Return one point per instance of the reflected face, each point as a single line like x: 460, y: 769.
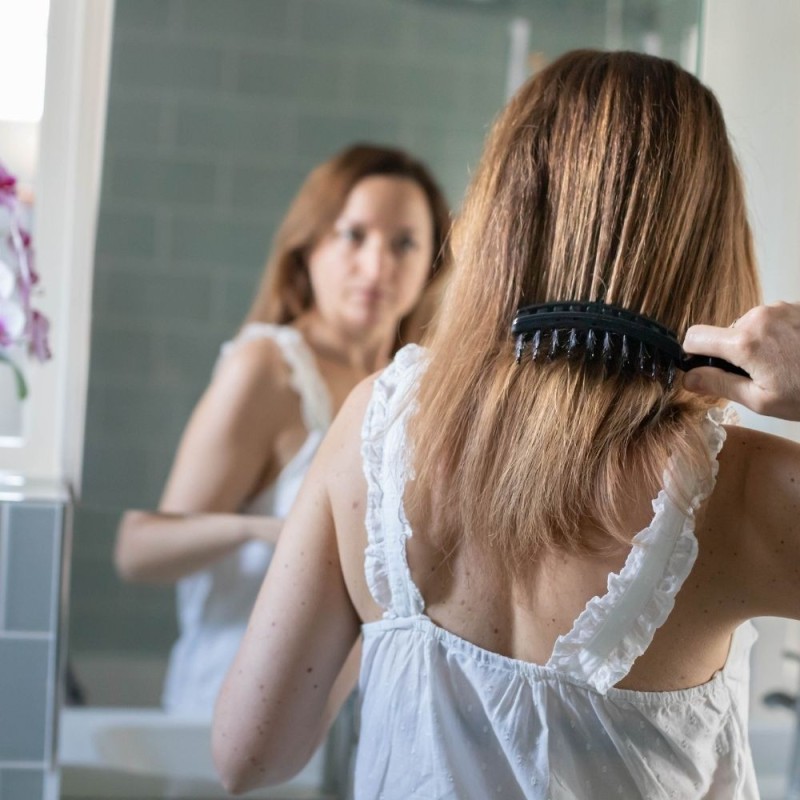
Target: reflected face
x: 369, y: 270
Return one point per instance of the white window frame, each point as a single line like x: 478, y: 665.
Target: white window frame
x: 67, y: 199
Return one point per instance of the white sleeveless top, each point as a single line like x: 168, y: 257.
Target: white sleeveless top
x: 444, y: 718
x: 214, y: 604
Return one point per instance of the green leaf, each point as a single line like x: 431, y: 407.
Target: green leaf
x: 22, y: 387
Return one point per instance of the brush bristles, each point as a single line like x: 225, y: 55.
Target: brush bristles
x: 618, y: 353
x: 573, y: 344
x: 553, y: 351
x: 536, y: 344
x: 591, y: 344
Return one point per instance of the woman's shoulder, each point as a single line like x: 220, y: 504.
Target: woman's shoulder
x: 250, y: 377
x: 753, y: 458
x: 749, y: 465
x: 753, y: 521
x: 254, y: 359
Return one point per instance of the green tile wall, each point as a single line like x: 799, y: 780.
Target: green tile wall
x: 216, y: 112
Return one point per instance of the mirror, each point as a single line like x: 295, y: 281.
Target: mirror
x: 216, y: 113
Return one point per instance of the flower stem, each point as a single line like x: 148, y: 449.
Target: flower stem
x: 22, y: 387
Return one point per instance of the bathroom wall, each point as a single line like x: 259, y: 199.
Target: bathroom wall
x: 216, y: 112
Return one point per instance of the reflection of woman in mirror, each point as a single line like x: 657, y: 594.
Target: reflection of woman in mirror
x: 549, y: 630
x: 358, y: 245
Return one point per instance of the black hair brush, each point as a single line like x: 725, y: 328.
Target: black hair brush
x: 621, y: 340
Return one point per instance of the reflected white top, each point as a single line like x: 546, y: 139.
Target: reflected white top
x: 214, y: 604
x: 444, y: 718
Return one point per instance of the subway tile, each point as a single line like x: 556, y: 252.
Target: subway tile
x: 485, y: 97
x: 239, y: 128
x: 113, y: 475
x: 21, y: 784
x: 162, y: 65
x: 133, y: 121
x: 106, y: 628
x: 137, y: 295
x: 364, y: 25
x: 95, y: 573
x: 123, y: 414
x: 121, y: 295
x: 23, y: 699
x: 300, y: 77
x: 453, y: 159
x: 221, y: 243
x: 450, y: 32
x: 150, y: 610
x: 33, y: 545
x: 117, y: 350
x: 322, y: 135
x: 182, y: 357
x: 161, y: 180
x: 237, y: 297
x: 141, y: 15
x: 126, y: 233
x: 93, y: 533
x: 268, y: 188
x: 379, y: 83
x: 184, y: 296
x: 245, y: 19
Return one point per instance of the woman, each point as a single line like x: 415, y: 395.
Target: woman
x: 534, y: 623
x: 359, y: 244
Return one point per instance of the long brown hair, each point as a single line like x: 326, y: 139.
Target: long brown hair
x: 285, y: 289
x: 609, y: 176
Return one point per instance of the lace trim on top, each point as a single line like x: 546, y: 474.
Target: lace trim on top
x: 615, y: 629
x: 304, y: 374
x: 386, y: 466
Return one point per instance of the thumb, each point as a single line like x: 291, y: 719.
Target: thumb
x: 717, y: 382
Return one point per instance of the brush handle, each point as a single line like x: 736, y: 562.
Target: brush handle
x: 692, y: 362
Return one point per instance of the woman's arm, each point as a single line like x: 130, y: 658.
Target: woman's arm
x: 766, y: 343
x: 290, y: 673
x: 157, y: 547
x: 224, y: 452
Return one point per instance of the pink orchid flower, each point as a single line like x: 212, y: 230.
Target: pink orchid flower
x: 39, y: 346
x: 21, y: 326
x: 8, y: 188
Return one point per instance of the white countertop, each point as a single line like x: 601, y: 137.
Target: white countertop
x: 21, y: 489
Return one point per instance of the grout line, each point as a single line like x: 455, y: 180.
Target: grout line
x: 25, y: 636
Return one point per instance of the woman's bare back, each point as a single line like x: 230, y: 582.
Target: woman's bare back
x: 522, y: 618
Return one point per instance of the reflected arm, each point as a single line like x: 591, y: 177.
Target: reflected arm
x: 158, y: 547
x: 224, y: 453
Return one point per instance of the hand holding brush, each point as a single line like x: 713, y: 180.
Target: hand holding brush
x: 765, y: 342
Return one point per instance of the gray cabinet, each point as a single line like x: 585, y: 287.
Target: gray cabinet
x: 34, y: 548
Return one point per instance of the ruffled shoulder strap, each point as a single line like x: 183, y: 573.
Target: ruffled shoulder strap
x: 387, y: 466
x: 315, y: 400
x: 615, y: 629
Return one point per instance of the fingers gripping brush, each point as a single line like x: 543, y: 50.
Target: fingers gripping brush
x: 620, y: 340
